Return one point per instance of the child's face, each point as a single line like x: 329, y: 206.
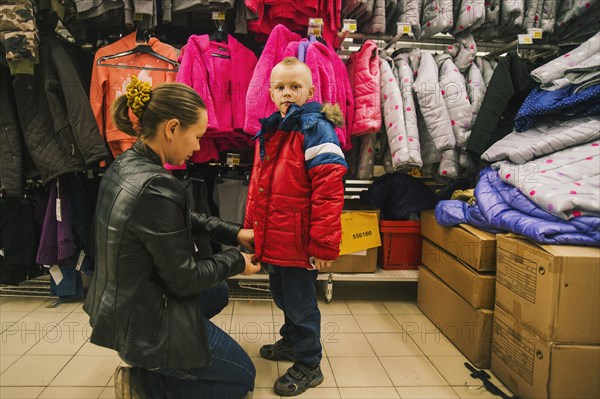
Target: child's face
x: 290, y: 85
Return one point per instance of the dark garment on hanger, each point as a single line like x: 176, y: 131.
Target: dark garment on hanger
x: 399, y: 195
x: 71, y: 285
x: 17, y: 239
x: 11, y: 161
x: 508, y: 88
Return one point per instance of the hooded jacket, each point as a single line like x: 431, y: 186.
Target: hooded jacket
x: 143, y: 300
x: 296, y: 192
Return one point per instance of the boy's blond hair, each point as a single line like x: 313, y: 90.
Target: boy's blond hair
x: 289, y: 62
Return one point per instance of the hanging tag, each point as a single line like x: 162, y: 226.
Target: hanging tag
x: 314, y: 31
x: 195, y: 248
x: 218, y: 16
x: 56, y: 274
x: 58, y: 211
x: 233, y: 159
x: 535, y: 33
x: 525, y: 39
x: 2, y: 252
x: 138, y: 17
x: 405, y: 28
x: 315, y: 21
x: 349, y: 25
x: 80, y: 260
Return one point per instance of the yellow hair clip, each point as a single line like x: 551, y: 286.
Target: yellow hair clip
x: 138, y: 95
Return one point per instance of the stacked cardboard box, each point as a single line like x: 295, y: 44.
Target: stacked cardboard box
x: 456, y: 285
x: 546, y: 340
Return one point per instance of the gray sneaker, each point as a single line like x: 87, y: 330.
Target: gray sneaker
x: 130, y: 383
x: 298, y: 379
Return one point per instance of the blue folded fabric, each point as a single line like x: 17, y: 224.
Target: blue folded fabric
x: 565, y: 104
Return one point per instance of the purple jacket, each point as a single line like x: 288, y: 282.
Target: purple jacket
x: 56, y: 243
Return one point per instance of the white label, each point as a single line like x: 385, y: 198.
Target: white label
x: 525, y: 39
x: 359, y: 253
x: 315, y: 21
x: 350, y: 25
x: 314, y: 31
x: 1, y: 252
x: 404, y: 28
x: 218, y: 16
x: 195, y: 248
x: 56, y: 274
x: 535, y: 33
x: 58, y: 210
x: 233, y: 159
x: 80, y: 260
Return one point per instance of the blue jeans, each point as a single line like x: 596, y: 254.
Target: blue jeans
x: 293, y: 291
x: 231, y: 373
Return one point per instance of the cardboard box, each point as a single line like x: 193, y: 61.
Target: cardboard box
x: 534, y: 368
x: 475, y: 288
x: 361, y: 262
x: 468, y: 328
x: 555, y: 288
x: 475, y: 247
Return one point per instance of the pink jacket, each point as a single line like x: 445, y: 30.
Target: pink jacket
x: 258, y: 101
x: 363, y: 71
x: 330, y: 80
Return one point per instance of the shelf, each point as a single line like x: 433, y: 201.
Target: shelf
x: 378, y: 275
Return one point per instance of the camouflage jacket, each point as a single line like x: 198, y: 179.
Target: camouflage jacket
x: 18, y: 35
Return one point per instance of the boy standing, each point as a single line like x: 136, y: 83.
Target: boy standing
x: 294, y: 205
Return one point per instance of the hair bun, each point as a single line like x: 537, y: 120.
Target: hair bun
x: 138, y: 95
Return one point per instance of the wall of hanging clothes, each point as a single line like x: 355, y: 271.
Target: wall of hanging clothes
x: 433, y: 104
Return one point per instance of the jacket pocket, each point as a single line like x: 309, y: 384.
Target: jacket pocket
x: 147, y: 311
x: 299, y: 233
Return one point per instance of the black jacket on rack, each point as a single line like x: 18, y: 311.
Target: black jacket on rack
x: 511, y: 83
x: 143, y: 299
x: 54, y: 115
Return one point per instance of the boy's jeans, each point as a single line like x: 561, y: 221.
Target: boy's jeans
x: 231, y: 373
x: 293, y: 290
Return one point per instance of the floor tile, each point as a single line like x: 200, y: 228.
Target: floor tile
x: 252, y: 342
x: 58, y: 342
x: 333, y: 324
x: 412, y: 371
x: 266, y: 373
x: 367, y: 307
x: 90, y: 349
x: 402, y: 307
x: 334, y: 307
x: 9, y: 318
x: 393, y: 344
x: 40, y: 321
x: 359, y: 372
x: 477, y: 391
x: 15, y: 341
x: 426, y: 393
x: 369, y: 393
x: 21, y: 304
x: 52, y: 305
x: 228, y: 309
x: 377, y: 323
x: 87, y: 371
x: 79, y: 309
x: 6, y: 361
x: 33, y: 370
x: 348, y: 345
x: 76, y: 321
x: 453, y: 369
x: 320, y: 393
x: 223, y: 321
x: 252, y: 307
x: 252, y: 325
x: 71, y: 393
x: 108, y: 393
x: 265, y: 393
x: 20, y: 392
x: 424, y: 333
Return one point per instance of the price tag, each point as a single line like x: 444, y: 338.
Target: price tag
x: 315, y: 21
x: 350, y: 25
x: 525, y: 39
x: 535, y: 33
x: 233, y: 159
x: 314, y: 31
x: 80, y: 260
x: 56, y: 274
x: 58, y: 211
x: 218, y: 16
x: 404, y: 28
x: 138, y: 17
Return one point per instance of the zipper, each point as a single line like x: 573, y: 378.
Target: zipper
x: 165, y: 301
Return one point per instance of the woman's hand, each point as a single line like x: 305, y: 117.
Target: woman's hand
x: 252, y: 266
x: 245, y: 238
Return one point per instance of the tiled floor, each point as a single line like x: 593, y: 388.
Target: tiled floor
x: 377, y: 344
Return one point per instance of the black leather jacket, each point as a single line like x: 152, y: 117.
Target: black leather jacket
x: 143, y: 298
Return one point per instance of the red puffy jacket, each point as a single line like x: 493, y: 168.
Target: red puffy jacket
x: 296, y: 191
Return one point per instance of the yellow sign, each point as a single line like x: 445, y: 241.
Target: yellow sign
x: 218, y: 16
x: 360, y: 231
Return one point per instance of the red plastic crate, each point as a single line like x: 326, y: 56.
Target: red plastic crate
x: 401, y: 244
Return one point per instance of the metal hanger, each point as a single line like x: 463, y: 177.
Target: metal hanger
x: 140, y: 49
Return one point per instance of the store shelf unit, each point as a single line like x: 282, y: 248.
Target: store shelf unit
x: 257, y: 282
